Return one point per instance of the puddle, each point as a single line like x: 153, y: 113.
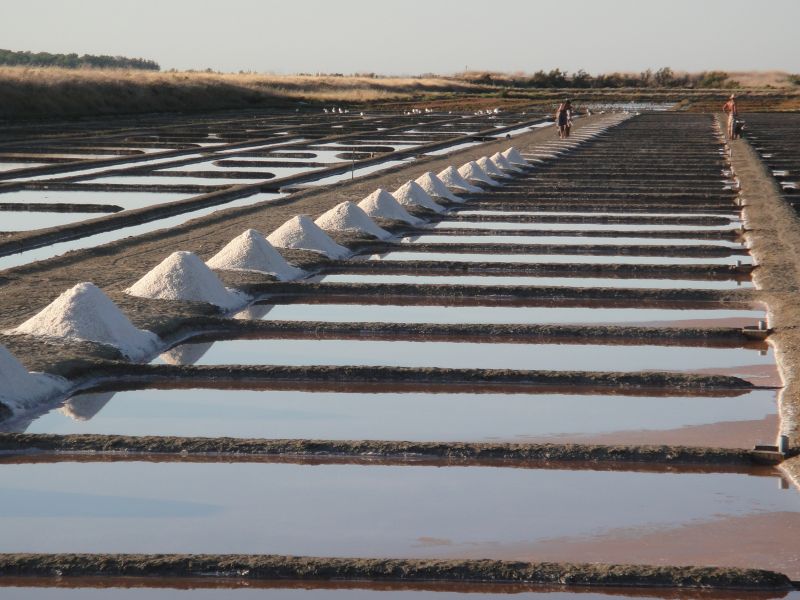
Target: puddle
x: 378, y: 313
x: 735, y: 422
x: 159, y: 180
x: 732, y: 214
x: 29, y: 256
x: 4, y: 167
x: 469, y: 355
x: 565, y: 258
x: 578, y: 226
x: 24, y: 220
x: 537, y: 281
x: 343, y: 510
x: 127, y: 200
x: 577, y: 240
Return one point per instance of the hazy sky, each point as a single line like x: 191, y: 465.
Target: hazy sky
x: 415, y: 36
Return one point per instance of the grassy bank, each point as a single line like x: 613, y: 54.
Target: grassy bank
x: 53, y: 93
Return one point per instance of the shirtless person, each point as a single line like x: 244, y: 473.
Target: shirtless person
x: 731, y: 109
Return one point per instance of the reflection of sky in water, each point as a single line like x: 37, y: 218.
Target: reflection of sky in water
x: 412, y: 416
x: 478, y: 355
x: 493, y: 314
x: 577, y: 240
x: 341, y: 510
x: 565, y: 258
x: 577, y: 226
x: 127, y: 200
x: 25, y: 220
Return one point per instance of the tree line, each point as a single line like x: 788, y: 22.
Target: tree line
x: 556, y: 78
x: 75, y: 61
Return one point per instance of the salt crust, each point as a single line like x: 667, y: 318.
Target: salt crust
x: 21, y: 390
x: 502, y: 162
x: 412, y: 194
x: 84, y: 312
x: 514, y: 157
x: 302, y: 233
x: 453, y: 179
x: 381, y: 204
x: 434, y: 186
x: 347, y: 216
x: 250, y: 251
x: 472, y: 172
x: 491, y: 169
x: 183, y: 276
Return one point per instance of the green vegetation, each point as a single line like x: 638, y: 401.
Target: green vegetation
x: 73, y: 61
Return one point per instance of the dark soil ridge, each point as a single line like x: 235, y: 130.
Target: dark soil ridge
x: 465, y: 451
x: 211, y: 329
x: 615, y: 270
x: 277, y: 567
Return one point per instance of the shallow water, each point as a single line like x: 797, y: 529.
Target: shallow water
x: 740, y: 421
x: 127, y: 200
x: 578, y: 226
x: 500, y: 314
x: 468, y: 355
x: 412, y: 511
x: 536, y: 281
x: 29, y: 256
x: 13, y: 166
x: 731, y: 214
x: 166, y: 180
x: 25, y: 220
x: 564, y: 258
x: 577, y: 240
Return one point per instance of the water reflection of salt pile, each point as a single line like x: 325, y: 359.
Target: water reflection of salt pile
x: 85, y: 406
x: 302, y: 233
x: 187, y: 354
x: 254, y: 312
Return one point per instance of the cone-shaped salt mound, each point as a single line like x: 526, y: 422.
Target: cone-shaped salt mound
x: 472, y: 172
x: 84, y: 312
x: 514, y: 157
x: 433, y: 186
x: 502, y: 162
x: 347, y: 216
x: 250, y: 251
x: 491, y: 169
x: 412, y: 194
x: 453, y: 179
x: 381, y: 204
x: 20, y: 389
x: 302, y: 233
x: 183, y: 276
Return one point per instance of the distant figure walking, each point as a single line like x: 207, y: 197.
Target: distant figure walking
x: 733, y: 112
x: 564, y: 119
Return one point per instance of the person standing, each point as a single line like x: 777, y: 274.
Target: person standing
x: 733, y: 112
x: 564, y: 119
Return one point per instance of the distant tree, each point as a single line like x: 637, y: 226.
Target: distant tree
x: 73, y: 61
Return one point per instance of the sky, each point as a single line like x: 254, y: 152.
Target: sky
x: 416, y: 36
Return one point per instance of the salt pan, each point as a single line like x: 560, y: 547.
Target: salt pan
x: 302, y: 233
x: 250, y: 251
x: 453, y: 179
x: 472, y: 172
x: 381, y: 204
x: 21, y: 390
x: 347, y: 216
x: 183, y: 276
x: 412, y: 194
x: 84, y: 312
x: 434, y: 186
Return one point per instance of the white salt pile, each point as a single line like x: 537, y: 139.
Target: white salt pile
x: 183, y: 276
x: 514, y: 157
x: 472, y: 172
x: 84, y: 312
x: 434, y: 186
x: 412, y: 194
x: 502, y: 162
x: 452, y: 179
x: 250, y: 251
x: 491, y: 169
x: 381, y: 204
x: 302, y: 233
x: 347, y: 216
x: 21, y: 390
